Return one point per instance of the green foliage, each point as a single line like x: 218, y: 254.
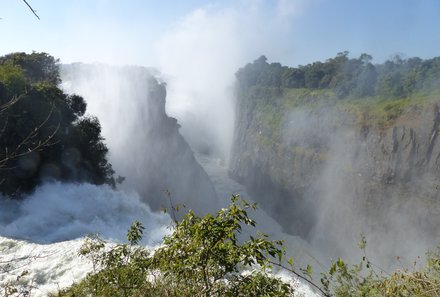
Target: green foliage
x: 12, y: 80
x: 43, y: 131
x: 38, y: 67
x: 211, y: 249
x: 202, y: 257
x: 348, y: 78
x: 135, y: 232
x: 368, y: 95
x: 365, y: 279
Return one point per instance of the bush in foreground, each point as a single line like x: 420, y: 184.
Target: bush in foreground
x: 202, y: 257
x: 362, y: 280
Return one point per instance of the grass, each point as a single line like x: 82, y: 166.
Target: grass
x: 377, y: 112
x: 309, y: 99
x: 383, y: 112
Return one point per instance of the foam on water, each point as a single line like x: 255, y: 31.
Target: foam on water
x: 43, y: 233
x: 57, y: 212
x: 49, y: 267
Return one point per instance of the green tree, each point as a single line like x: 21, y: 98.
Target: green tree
x: 293, y: 78
x: 313, y: 75
x: 44, y: 134
x: 38, y: 67
x: 203, y: 256
x: 12, y: 81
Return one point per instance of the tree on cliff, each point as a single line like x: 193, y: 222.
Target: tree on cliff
x: 347, y: 77
x: 44, y: 134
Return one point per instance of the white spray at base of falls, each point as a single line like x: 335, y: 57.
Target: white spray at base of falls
x: 48, y: 229
x: 57, y: 212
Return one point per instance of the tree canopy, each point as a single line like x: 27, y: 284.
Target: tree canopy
x: 44, y: 133
x: 348, y: 77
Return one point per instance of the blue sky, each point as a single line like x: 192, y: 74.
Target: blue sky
x: 289, y: 31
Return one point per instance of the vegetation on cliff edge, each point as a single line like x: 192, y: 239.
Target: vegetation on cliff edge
x: 374, y: 94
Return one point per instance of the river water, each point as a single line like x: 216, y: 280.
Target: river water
x: 41, y: 236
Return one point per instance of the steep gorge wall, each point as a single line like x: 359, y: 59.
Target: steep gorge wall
x: 318, y: 167
x: 145, y: 144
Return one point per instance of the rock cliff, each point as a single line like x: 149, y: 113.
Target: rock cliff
x: 313, y: 166
x: 144, y: 142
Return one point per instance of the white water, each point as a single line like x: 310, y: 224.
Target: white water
x: 49, y: 227
x: 58, y: 212
x: 50, y: 266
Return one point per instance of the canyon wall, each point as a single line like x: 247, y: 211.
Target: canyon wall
x: 329, y: 172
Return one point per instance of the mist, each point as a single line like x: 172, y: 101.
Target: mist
x: 199, y: 57
x: 345, y: 191
x: 58, y: 212
x: 145, y: 147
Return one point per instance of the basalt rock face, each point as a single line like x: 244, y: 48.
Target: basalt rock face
x: 170, y: 172
x: 144, y: 142
x: 321, y: 163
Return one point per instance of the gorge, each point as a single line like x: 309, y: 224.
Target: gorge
x: 328, y: 170
x: 333, y: 168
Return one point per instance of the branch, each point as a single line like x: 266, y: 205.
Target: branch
x: 30, y: 7
x: 26, y: 143
x: 173, y: 213
x: 8, y: 104
x: 34, y: 133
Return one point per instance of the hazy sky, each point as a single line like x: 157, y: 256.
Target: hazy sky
x: 288, y: 31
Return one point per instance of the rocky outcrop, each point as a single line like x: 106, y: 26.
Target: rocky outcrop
x: 170, y: 171
x: 144, y: 142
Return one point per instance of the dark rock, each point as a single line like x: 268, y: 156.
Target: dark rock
x: 145, y: 144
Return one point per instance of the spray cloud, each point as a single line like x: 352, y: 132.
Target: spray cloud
x: 366, y: 184
x: 199, y: 58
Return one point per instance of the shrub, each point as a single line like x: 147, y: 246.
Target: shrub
x: 202, y: 257
x: 367, y: 280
